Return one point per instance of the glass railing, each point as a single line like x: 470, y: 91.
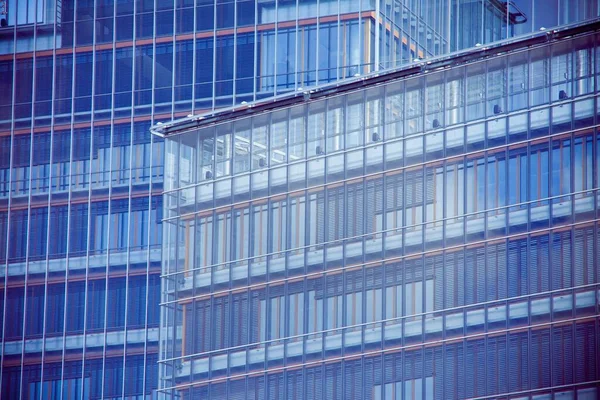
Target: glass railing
x: 431, y: 328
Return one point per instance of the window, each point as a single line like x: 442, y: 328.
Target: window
x: 518, y: 81
x: 295, y: 319
x: 241, y: 234
x: 116, y: 306
x: 96, y: 298
x: 316, y: 128
x: 335, y: 124
x: 140, y: 157
x: 475, y: 186
x: 40, y: 163
x: 435, y: 195
x: 475, y: 91
x: 374, y: 206
x: 434, y: 101
x: 411, y: 389
x: 197, y: 328
x: 539, y: 264
x: 121, y: 154
x: 455, y: 187
x: 373, y: 293
x: 78, y: 231
x: 354, y: 119
x: 259, y: 230
x: 222, y: 325
x: 76, y: 306
x: 538, y: 178
x: 517, y: 170
x: 38, y: 233
x: 101, y: 156
x: 335, y: 213
x: 224, y: 74
x: 241, y: 147
x: 279, y: 226
x: 277, y: 317
x: 475, y: 276
x: 333, y: 301
x: 454, y: 276
x: 562, y: 268
x: 394, y: 110
x: 394, y: 200
x: 223, y: 238
x: 203, y: 240
x: 258, y: 317
x: 354, y: 300
x: 99, y: 227
x: 61, y: 155
x: 83, y: 82
x: 496, y: 86
x: 297, y: 223
x: 279, y: 132
x: 57, y: 246
x: 583, y: 166
x: 414, y: 198
x: 118, y: 225
x: 20, y: 169
x: 539, y: 74
x: 245, y: 57
x: 496, y: 181
x: 414, y: 106
x: 34, y: 321
x: 239, y: 326
x: 561, y: 168
x: 355, y: 210
x: 80, y: 162
x: 315, y: 309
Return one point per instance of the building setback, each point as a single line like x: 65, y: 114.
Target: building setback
x: 429, y: 232
x: 81, y: 178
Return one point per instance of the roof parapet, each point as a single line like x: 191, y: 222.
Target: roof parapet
x: 372, y: 79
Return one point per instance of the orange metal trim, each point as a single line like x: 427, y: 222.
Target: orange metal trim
x: 21, y: 56
x: 68, y: 50
x: 165, y: 39
x: 185, y: 36
x: 141, y: 42
x: 83, y: 49
x: 128, y: 43
x: 225, y: 32
x: 265, y: 27
x: 104, y: 46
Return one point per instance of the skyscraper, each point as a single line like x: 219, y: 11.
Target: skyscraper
x: 427, y: 232
x: 81, y: 178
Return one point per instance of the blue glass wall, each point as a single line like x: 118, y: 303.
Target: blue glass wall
x: 427, y: 237
x: 80, y: 177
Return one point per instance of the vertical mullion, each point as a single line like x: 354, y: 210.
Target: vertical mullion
x: 234, y: 66
x: 214, y: 60
x: 28, y: 237
x: 257, y: 71
x: 49, y: 209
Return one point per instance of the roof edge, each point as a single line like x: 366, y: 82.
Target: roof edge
x: 372, y: 79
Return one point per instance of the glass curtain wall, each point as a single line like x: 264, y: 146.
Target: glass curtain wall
x: 430, y: 237
x: 81, y: 178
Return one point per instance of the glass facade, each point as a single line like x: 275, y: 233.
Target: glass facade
x: 428, y: 236
x: 81, y: 177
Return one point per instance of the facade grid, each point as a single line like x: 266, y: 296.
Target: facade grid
x: 429, y: 236
x: 81, y: 178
